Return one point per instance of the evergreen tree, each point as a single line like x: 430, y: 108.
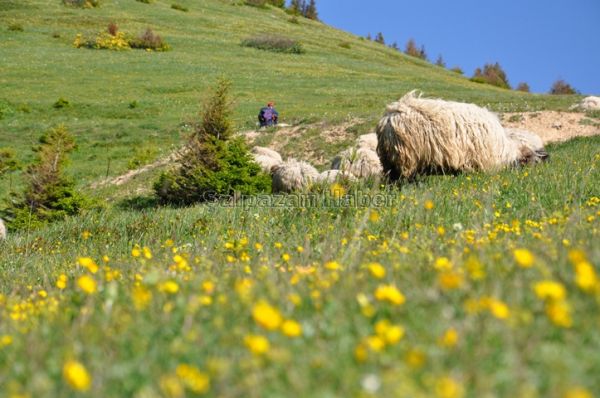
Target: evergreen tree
x: 296, y: 7
x: 394, y: 45
x: 411, y: 48
x: 48, y: 195
x: 523, y: 87
x: 379, y: 38
x: 214, y: 163
x: 440, y: 61
x: 422, y: 53
x: 310, y: 11
x: 369, y: 37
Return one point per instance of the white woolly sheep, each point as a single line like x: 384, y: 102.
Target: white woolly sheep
x: 263, y: 151
x: 330, y: 176
x: 423, y: 136
x: 361, y: 162
x: 368, y: 141
x: 590, y: 103
x: 529, y: 140
x: 293, y: 175
x: 2, y: 230
x: 266, y: 158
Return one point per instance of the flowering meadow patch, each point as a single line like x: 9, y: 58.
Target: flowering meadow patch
x: 446, y: 293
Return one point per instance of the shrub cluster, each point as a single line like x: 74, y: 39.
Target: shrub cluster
x: 112, y: 39
x: 264, y: 3
x: 48, y: 195
x: 561, y: 87
x: 213, y: 163
x: 82, y: 3
x: 179, y: 7
x: 491, y: 74
x: 275, y: 44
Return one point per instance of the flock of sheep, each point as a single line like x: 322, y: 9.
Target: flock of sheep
x: 415, y: 136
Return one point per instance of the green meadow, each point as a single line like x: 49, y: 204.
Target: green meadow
x: 475, y: 285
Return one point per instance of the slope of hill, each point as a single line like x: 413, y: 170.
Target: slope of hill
x: 121, y: 102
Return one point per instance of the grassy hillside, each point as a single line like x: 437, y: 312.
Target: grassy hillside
x: 475, y: 285
x: 327, y: 83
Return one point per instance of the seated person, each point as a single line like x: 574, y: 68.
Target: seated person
x: 268, y: 116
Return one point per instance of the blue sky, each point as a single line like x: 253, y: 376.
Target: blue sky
x: 535, y: 41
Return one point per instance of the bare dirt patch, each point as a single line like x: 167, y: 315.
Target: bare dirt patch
x: 553, y: 126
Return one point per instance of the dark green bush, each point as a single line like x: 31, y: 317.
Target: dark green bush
x: 149, y: 41
x: 48, y: 195
x: 82, y: 3
x: 275, y: 44
x: 8, y: 161
x: 179, y: 7
x: 264, y: 3
x: 60, y: 103
x: 345, y: 45
x: 213, y: 163
x: 15, y: 27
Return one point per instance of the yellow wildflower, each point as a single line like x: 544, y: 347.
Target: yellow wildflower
x: 291, y: 328
x: 136, y: 252
x: 375, y: 343
x: 449, y: 338
x: 147, y: 253
x: 195, y: 380
x: 141, y: 297
x: 442, y: 264
x: 578, y: 392
x: 332, y: 265
x: 76, y: 375
x: 389, y: 332
x: 428, y: 205
x: 337, y: 190
x: 585, y: 276
x: 559, y: 312
x: 88, y: 264
x: 5, y: 340
x: 170, y: 287
x: 87, y: 284
x: 389, y: 293
x: 550, y: 290
x: 61, y: 283
x: 450, y: 280
x: 447, y: 387
x: 415, y: 358
x: 266, y: 315
x: 523, y: 257
x: 257, y: 344
x: 377, y: 270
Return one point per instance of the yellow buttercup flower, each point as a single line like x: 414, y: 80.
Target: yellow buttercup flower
x: 524, y: 258
x: 88, y: 263
x: 266, y: 315
x: 585, y: 276
x: 87, y: 284
x: 61, y: 283
x: 76, y: 376
x: 257, y: 344
x: 449, y: 338
x: 377, y: 270
x: 291, y: 328
x: 193, y: 379
x: 389, y: 293
x: 447, y: 387
x: 550, y: 290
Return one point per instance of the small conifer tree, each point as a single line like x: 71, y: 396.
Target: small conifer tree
x: 49, y: 195
x: 214, y: 163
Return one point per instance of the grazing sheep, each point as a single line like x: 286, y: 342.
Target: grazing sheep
x: 361, y: 162
x: 262, y: 151
x: 529, y: 140
x: 423, y: 136
x: 331, y: 176
x: 2, y: 230
x: 266, y: 158
x: 590, y: 103
x: 293, y: 175
x: 368, y: 141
